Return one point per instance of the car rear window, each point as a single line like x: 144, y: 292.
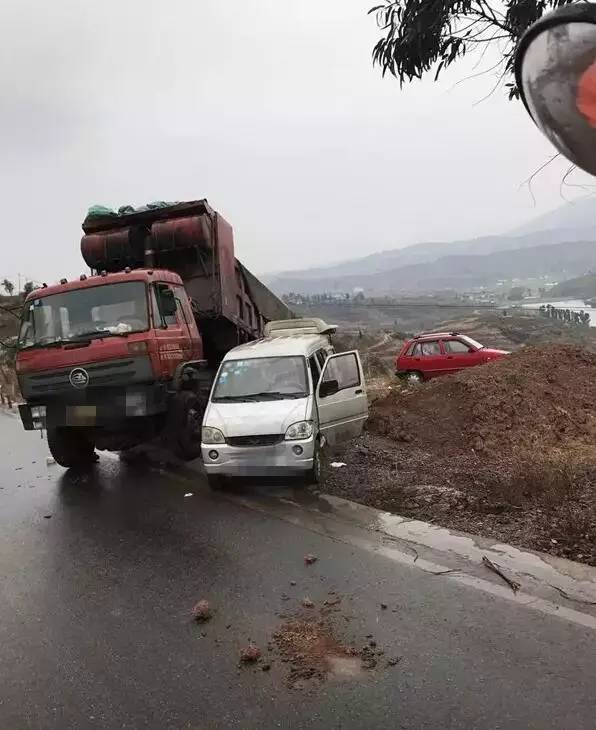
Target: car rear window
x: 428, y: 349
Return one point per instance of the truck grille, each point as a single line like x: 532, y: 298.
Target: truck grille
x: 267, y: 440
x: 115, y: 373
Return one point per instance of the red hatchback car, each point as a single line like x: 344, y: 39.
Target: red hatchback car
x: 441, y: 353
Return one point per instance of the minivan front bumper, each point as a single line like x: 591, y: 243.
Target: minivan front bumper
x: 276, y: 460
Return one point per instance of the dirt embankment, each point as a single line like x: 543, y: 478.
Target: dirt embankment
x: 507, y: 450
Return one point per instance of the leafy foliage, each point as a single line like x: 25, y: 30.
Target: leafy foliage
x: 8, y: 286
x: 424, y: 35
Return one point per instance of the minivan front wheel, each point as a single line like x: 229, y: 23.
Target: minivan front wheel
x: 315, y: 474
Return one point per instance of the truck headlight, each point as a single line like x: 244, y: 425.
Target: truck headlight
x: 38, y: 412
x: 299, y: 431
x: 212, y: 436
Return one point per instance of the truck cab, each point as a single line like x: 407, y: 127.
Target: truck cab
x: 99, y: 357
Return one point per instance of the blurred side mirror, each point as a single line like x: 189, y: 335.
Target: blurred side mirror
x: 327, y: 388
x: 555, y: 69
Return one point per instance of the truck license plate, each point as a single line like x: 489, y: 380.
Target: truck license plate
x: 81, y: 416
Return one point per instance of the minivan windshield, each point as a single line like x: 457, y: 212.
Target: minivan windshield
x: 84, y: 314
x: 261, y: 379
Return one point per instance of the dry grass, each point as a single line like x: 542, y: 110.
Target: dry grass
x: 549, y: 478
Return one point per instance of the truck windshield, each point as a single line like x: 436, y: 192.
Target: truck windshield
x: 84, y: 314
x: 261, y: 379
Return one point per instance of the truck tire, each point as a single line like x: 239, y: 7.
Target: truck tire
x: 186, y: 419
x: 71, y: 447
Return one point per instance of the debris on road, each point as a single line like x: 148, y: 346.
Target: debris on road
x: 250, y: 654
x: 308, y: 645
x: 393, y: 661
x: 201, y: 612
x: 514, y: 585
x: 310, y: 559
x: 292, y: 582
x: 308, y: 603
x: 338, y: 464
x: 367, y: 656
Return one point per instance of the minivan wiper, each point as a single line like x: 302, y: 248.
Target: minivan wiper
x: 274, y: 395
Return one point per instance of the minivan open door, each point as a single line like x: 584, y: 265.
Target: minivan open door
x: 341, y: 398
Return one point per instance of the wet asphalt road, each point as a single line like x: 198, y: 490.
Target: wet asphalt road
x: 98, y: 574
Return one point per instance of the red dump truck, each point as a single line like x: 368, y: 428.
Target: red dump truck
x: 127, y: 353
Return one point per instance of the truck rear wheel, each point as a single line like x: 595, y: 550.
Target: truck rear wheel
x: 71, y: 447
x: 186, y: 419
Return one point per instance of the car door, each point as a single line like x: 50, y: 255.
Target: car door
x: 428, y: 359
x: 341, y: 398
x: 459, y: 355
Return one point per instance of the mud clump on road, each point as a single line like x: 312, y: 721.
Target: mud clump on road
x: 308, y: 645
x: 506, y: 450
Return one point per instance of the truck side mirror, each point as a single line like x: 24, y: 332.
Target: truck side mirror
x: 167, y: 303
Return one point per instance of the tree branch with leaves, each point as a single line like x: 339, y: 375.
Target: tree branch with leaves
x: 424, y: 36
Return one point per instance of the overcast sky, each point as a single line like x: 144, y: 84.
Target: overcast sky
x: 270, y: 109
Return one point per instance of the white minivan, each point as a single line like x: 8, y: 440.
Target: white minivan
x: 276, y: 402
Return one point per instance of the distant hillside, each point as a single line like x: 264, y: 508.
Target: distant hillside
x: 561, y: 261
x: 582, y: 287
x: 570, y: 223
x: 424, y: 253
x: 579, y: 215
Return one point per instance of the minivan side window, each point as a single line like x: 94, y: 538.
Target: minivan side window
x: 345, y: 370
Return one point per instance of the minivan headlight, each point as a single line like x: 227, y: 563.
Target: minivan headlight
x: 212, y: 435
x: 299, y: 431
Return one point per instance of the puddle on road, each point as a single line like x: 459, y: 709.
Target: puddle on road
x: 344, y: 668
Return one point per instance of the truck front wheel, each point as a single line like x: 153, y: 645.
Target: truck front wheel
x: 71, y: 447
x: 186, y: 419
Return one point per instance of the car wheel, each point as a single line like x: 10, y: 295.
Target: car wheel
x: 413, y: 377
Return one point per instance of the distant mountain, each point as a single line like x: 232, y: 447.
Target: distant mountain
x: 579, y: 215
x: 583, y: 287
x: 561, y: 261
x: 571, y: 223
